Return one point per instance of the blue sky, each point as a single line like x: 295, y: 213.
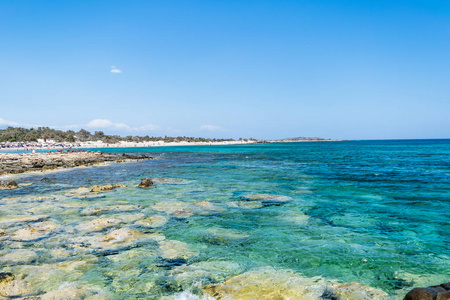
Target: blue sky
x: 263, y: 69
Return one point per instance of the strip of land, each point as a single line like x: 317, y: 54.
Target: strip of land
x: 15, y: 163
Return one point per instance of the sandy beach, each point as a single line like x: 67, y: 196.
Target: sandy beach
x: 7, y: 147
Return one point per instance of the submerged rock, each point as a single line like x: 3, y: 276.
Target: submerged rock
x: 145, y: 183
x: 206, y: 208
x: 245, y: 204
x: 89, y: 211
x: 10, y: 286
x: 72, y: 293
x: 14, y: 220
x: 98, y: 224
x: 296, y: 218
x: 104, y: 188
x: 220, y: 235
x: 114, y: 240
x: 266, y: 198
x: 19, y: 256
x: 34, y: 232
x: 9, y: 185
x: 153, y: 222
x: 82, y: 190
x: 169, y: 180
x: 121, y: 235
x: 270, y: 283
x: 205, y: 271
x: 171, y: 249
x: 170, y: 207
x: 357, y: 291
x: 182, y: 213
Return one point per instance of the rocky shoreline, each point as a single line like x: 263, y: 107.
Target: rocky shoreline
x: 16, y: 163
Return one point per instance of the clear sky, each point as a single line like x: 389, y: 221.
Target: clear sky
x: 263, y: 69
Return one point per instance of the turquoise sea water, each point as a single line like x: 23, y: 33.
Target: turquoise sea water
x: 374, y: 212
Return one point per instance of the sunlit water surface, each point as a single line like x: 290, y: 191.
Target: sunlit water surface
x: 373, y: 212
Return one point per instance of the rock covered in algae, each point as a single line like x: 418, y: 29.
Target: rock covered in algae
x: 171, y: 249
x: 34, y: 231
x: 98, y: 224
x: 145, y: 183
x: 270, y: 283
x: 10, y: 185
x: 12, y: 287
x: 104, y: 188
x: 153, y: 221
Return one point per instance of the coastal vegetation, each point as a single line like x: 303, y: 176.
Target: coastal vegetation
x: 18, y: 134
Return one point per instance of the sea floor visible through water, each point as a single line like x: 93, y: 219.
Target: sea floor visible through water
x: 292, y: 218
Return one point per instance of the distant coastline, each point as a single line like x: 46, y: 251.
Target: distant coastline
x: 45, y: 138
x: 22, y: 146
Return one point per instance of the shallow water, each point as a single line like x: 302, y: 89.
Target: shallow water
x: 374, y: 212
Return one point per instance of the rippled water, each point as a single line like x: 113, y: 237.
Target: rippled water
x: 374, y: 212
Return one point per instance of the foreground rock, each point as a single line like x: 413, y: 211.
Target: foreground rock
x: 73, y: 293
x: 14, y: 163
x: 270, y: 283
x: 171, y: 249
x: 11, y: 287
x: 19, y: 256
x: 145, y: 183
x: 89, y: 211
x: 98, y: 224
x: 117, y: 239
x: 9, y: 185
x: 34, y: 232
x: 153, y: 221
x: 104, y: 188
x: 436, y: 292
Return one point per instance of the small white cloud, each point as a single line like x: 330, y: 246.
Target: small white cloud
x: 105, y: 123
x: 212, y: 128
x: 4, y: 122
x: 100, y: 123
x: 115, y: 70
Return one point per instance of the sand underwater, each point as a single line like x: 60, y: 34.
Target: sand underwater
x: 319, y: 220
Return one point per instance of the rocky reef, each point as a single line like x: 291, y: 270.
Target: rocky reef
x: 435, y: 292
x: 14, y: 163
